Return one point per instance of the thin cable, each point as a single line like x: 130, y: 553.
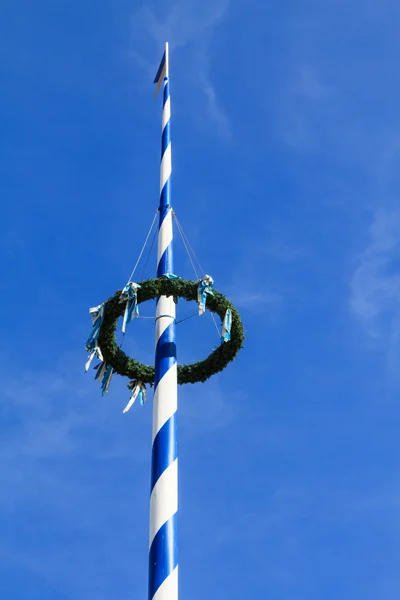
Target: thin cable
x: 184, y: 243
x: 186, y: 318
x: 189, y: 251
x: 188, y: 246
x: 215, y: 323
x: 144, y: 246
x: 183, y: 234
x: 148, y: 255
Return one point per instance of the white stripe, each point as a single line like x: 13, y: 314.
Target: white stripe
x: 165, y: 306
x: 166, y: 113
x: 165, y: 401
x: 168, y: 590
x: 163, y: 322
x: 164, y: 499
x: 165, y: 171
x: 165, y: 235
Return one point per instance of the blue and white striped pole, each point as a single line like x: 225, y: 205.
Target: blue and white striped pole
x: 163, y: 559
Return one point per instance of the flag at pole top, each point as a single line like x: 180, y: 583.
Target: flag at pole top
x: 162, y: 70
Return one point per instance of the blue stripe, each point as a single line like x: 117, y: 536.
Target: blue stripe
x: 165, y: 449
x: 165, y: 138
x: 166, y: 264
x: 163, y: 554
x: 166, y: 90
x: 164, y: 209
x: 164, y: 200
x: 165, y: 353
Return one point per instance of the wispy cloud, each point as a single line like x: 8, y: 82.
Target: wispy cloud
x: 54, y: 416
x: 50, y: 415
x: 375, y: 285
x: 188, y: 25
x: 259, y: 269
x: 256, y: 300
x: 63, y: 452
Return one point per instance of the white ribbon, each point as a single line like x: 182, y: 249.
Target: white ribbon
x: 226, y: 326
x: 204, y: 288
x: 95, y: 352
x: 138, y: 389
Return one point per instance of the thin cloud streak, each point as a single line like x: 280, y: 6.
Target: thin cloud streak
x: 187, y: 25
x: 375, y: 284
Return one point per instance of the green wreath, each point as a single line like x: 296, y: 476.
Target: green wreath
x: 179, y: 288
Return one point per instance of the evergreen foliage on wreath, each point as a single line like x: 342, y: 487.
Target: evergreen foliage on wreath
x: 179, y: 288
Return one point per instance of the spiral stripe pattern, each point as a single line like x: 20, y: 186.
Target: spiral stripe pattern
x: 163, y: 555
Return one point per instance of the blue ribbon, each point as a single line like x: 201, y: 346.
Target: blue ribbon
x: 129, y: 293
x: 97, y: 314
x: 104, y: 371
x: 226, y: 326
x: 100, y: 369
x: 204, y: 288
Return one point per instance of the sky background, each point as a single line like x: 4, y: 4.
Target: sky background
x: 286, y: 144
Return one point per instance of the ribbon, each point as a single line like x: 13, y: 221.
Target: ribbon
x: 204, y: 288
x: 138, y: 389
x: 129, y: 293
x: 105, y: 382
x: 104, y: 371
x: 97, y: 314
x: 95, y: 352
x: 226, y: 326
x: 100, y: 369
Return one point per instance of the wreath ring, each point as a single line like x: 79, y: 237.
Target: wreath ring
x: 179, y: 288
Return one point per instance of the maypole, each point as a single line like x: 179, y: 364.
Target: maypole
x: 166, y: 288
x: 163, y: 557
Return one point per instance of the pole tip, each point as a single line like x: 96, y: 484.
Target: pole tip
x: 167, y: 59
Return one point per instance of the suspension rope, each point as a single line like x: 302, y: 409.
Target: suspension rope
x: 196, y: 314
x: 215, y: 323
x: 144, y: 246
x: 184, y: 243
x: 189, y: 248
x: 149, y: 253
x: 191, y: 254
x: 184, y: 236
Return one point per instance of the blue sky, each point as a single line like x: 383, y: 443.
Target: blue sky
x: 286, y: 146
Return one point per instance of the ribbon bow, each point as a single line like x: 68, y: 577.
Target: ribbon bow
x: 129, y: 293
x: 138, y: 389
x: 226, y: 326
x: 204, y: 288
